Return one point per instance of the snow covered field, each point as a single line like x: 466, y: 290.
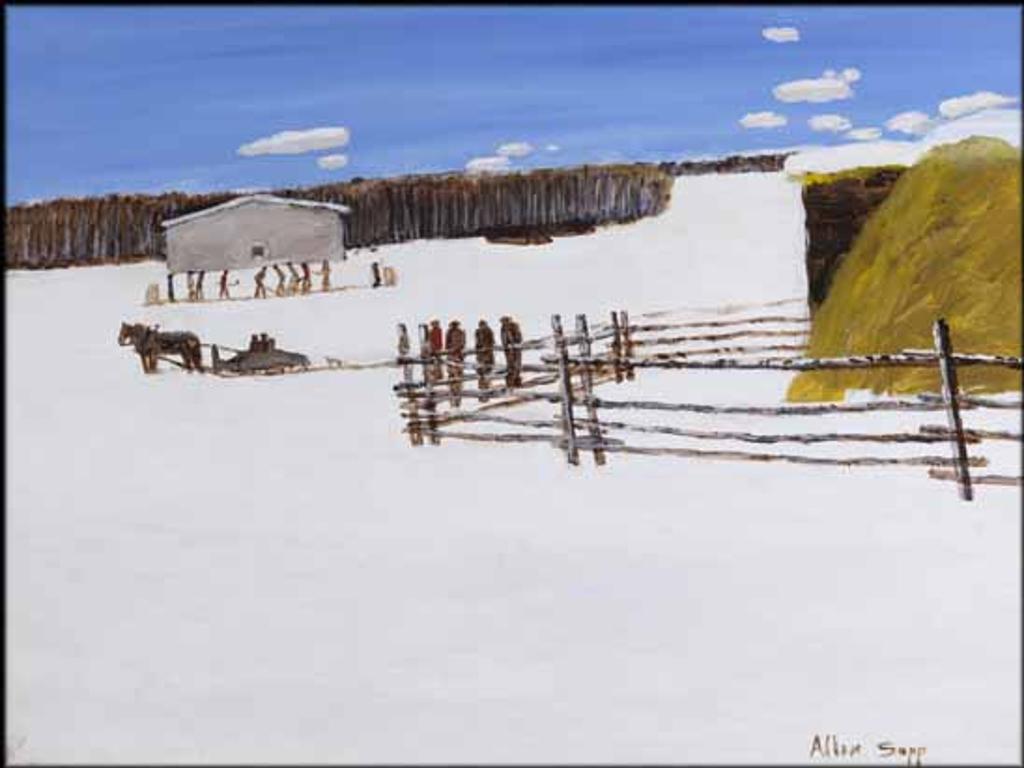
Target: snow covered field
x: 264, y: 570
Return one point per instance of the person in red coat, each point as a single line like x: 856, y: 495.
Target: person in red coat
x: 435, y: 337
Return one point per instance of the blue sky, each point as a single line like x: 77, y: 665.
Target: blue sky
x: 122, y: 99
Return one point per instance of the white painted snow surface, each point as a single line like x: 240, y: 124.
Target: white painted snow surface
x: 263, y: 570
x: 1002, y: 124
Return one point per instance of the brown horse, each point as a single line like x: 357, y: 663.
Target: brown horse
x: 149, y: 343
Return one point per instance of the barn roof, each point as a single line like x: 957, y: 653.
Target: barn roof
x: 271, y: 199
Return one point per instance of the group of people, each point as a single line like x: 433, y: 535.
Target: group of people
x: 451, y: 344
x: 298, y: 284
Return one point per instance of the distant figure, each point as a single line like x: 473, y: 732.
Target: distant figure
x: 511, y: 338
x: 325, y: 272
x: 435, y: 336
x: 307, y: 278
x: 296, y: 280
x: 190, y: 277
x: 484, y: 355
x: 199, y: 285
x: 455, y: 346
x: 279, y: 289
x: 390, y: 277
x: 261, y: 289
x: 375, y: 267
x: 224, y: 285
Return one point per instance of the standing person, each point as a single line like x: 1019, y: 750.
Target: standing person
x: 293, y: 284
x: 191, y: 285
x: 307, y: 279
x: 325, y: 271
x: 455, y: 346
x: 436, y: 338
x: 375, y: 268
x: 484, y: 355
x: 261, y: 289
x: 224, y: 285
x: 511, y: 338
x: 279, y: 288
x: 199, y: 285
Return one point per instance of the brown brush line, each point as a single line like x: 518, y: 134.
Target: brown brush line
x: 948, y: 474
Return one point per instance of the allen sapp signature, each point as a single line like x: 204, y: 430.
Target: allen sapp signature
x: 829, y: 746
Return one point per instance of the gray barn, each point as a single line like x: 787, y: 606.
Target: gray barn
x: 255, y: 230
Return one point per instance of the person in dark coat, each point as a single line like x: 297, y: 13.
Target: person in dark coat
x: 261, y: 289
x: 199, y: 285
x: 279, y: 289
x: 224, y: 285
x: 511, y: 338
x: 307, y: 278
x: 375, y: 268
x: 455, y: 345
x: 296, y: 281
x: 484, y: 355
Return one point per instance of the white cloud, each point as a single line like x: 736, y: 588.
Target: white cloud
x: 913, y: 123
x: 833, y: 123
x: 781, y: 34
x: 297, y: 142
x: 552, y: 148
x: 965, y: 105
x: 864, y: 134
x: 1003, y: 124
x: 515, y: 149
x: 762, y: 120
x: 829, y: 87
x: 332, y: 162
x: 491, y: 164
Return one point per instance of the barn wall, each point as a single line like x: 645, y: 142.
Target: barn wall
x: 224, y: 240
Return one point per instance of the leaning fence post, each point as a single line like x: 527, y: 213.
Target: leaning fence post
x: 627, y: 337
x: 568, y: 423
x: 430, y: 405
x: 617, y: 347
x: 409, y: 401
x: 587, y: 375
x: 950, y: 393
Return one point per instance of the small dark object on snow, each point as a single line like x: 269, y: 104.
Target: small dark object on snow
x: 262, y: 355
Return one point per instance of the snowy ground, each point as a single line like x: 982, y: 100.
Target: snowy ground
x: 206, y: 570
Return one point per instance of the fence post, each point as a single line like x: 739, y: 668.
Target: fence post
x: 627, y: 338
x: 409, y: 401
x: 617, y: 347
x: 568, y: 423
x: 586, y: 374
x: 950, y: 393
x: 430, y: 404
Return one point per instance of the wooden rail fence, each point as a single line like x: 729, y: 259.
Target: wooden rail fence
x: 576, y: 377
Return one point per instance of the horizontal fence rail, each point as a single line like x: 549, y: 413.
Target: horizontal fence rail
x: 575, y: 376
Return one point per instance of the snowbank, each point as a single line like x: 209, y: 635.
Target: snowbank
x: 1002, y: 124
